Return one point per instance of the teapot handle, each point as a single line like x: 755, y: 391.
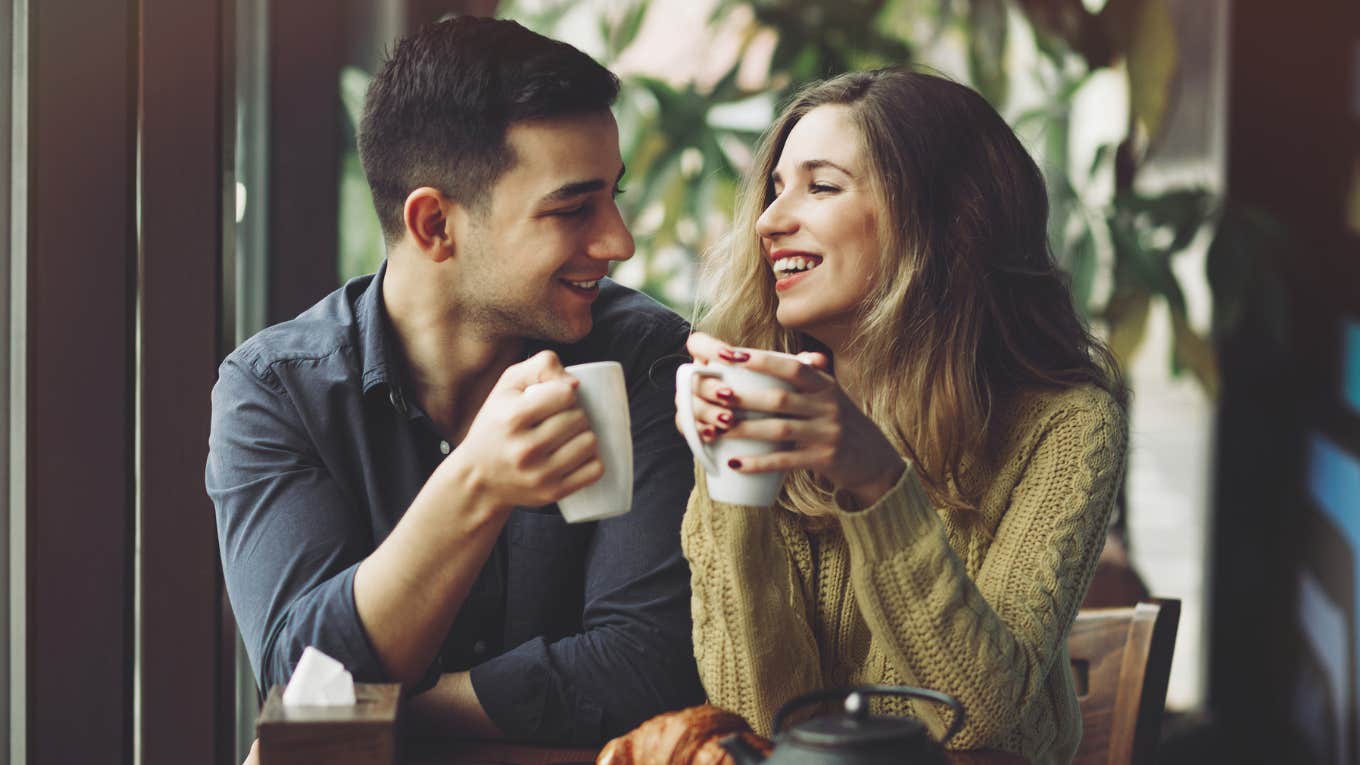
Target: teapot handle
x: 879, y: 690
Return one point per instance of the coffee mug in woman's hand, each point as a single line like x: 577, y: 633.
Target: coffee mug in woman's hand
x: 721, y: 457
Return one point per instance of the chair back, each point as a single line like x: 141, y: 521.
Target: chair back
x: 1121, y: 660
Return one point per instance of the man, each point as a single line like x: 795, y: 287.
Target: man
x: 383, y: 473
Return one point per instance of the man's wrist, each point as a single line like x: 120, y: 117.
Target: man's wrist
x: 462, y: 478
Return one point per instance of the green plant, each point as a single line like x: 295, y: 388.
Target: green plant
x: 685, y: 152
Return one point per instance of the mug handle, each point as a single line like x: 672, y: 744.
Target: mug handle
x: 684, y: 406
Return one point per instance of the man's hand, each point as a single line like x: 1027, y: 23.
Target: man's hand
x: 530, y: 444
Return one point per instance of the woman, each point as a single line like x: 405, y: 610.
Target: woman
x: 955, y: 438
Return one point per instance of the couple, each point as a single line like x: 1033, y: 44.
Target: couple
x: 384, y: 482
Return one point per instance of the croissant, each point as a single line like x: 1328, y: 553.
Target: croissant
x: 685, y: 737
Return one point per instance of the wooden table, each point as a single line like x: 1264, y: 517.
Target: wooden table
x: 368, y: 733
x: 495, y: 753
x: 490, y: 753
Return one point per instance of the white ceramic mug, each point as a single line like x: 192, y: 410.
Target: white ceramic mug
x: 724, y: 483
x: 603, y: 395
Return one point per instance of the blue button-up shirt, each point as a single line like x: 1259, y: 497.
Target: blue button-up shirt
x: 572, y: 633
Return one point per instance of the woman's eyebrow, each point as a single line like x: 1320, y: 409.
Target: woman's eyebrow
x: 814, y: 164
x: 808, y: 165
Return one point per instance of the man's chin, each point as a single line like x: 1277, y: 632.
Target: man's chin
x: 564, y: 332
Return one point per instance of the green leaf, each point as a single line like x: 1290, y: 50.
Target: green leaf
x: 1082, y: 266
x: 1152, y: 61
x: 1127, y: 315
x: 1192, y: 351
x: 623, y: 32
x: 987, y: 49
x: 1098, y: 161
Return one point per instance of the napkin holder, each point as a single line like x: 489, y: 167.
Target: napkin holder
x: 363, y: 734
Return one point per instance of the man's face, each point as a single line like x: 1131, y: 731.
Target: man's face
x: 532, y: 260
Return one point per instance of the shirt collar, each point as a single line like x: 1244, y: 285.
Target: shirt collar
x: 381, y: 371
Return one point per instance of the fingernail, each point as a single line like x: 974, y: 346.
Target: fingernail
x: 708, y: 432
x: 725, y: 418
x: 734, y: 463
x: 740, y: 356
x: 727, y: 354
x: 725, y: 394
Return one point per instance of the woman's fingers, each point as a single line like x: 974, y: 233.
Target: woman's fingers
x: 784, y: 429
x: 715, y: 392
x: 711, y: 420
x: 814, y: 458
x: 706, y: 348
x: 803, y: 375
x: 781, y: 402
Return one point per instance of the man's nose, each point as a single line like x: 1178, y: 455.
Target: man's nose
x: 611, y: 240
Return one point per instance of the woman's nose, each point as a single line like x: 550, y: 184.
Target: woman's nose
x: 777, y: 220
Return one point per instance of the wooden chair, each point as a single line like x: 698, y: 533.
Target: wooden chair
x: 1121, y: 660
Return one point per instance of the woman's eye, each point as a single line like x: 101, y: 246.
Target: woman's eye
x: 822, y: 188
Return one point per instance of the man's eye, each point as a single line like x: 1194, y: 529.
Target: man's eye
x: 618, y: 190
x: 571, y: 212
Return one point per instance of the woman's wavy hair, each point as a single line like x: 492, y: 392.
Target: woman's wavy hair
x: 968, y: 303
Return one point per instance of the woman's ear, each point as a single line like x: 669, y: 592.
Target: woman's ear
x: 429, y: 215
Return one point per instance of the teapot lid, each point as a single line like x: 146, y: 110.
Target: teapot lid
x: 855, y: 728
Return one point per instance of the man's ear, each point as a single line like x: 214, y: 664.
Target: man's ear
x: 431, y: 219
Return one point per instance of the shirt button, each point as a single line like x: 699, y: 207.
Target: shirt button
x: 444, y: 447
x: 479, y: 647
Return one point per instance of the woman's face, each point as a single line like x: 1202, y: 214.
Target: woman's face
x: 820, y: 233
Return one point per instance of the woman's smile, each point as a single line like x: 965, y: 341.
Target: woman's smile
x: 791, y: 267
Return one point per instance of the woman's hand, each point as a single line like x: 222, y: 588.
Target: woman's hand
x: 828, y: 434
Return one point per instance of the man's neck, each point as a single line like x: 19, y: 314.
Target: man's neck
x: 451, y: 363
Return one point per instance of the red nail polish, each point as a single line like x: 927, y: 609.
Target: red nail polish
x: 734, y: 463
x: 739, y: 356
x: 725, y: 394
x: 726, y: 354
x: 724, y: 418
x: 708, y: 432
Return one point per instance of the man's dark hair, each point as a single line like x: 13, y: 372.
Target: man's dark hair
x: 436, y: 113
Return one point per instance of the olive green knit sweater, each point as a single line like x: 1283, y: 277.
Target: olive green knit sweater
x: 977, y: 605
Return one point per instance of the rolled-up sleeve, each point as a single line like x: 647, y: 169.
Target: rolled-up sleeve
x: 634, y: 657
x: 289, y: 537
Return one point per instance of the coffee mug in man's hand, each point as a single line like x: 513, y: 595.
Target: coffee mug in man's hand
x: 724, y: 483
x: 604, y: 397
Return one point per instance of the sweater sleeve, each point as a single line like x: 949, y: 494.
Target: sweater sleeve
x: 752, y: 639
x: 992, y: 642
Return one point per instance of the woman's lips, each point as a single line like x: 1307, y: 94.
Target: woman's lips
x: 785, y: 282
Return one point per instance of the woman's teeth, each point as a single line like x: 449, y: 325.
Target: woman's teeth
x: 794, y: 264
x: 590, y: 285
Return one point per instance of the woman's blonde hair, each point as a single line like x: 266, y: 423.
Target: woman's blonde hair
x: 968, y: 302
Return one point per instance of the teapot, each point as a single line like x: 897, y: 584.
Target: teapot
x: 854, y: 737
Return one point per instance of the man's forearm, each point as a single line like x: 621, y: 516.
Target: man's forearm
x: 408, y: 591
x: 451, y: 707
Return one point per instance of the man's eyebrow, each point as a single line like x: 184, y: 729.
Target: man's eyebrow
x: 578, y: 188
x: 808, y: 165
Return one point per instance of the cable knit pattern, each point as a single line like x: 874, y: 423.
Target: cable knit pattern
x: 977, y: 605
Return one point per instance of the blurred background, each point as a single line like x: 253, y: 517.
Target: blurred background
x: 183, y: 173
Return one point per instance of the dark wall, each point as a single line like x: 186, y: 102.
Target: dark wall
x: 1292, y: 148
